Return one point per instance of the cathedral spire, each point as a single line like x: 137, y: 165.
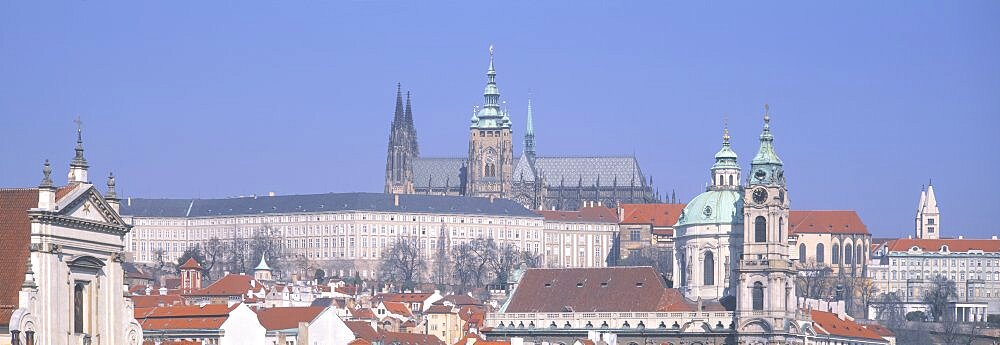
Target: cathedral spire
x: 398, y: 117
x: 491, y: 116
x: 408, y: 115
x: 529, y: 135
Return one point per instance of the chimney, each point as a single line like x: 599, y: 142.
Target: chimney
x: 163, y: 291
x: 491, y: 199
x: 994, y: 237
x: 270, y: 193
x: 961, y: 237
x: 395, y: 200
x: 129, y: 201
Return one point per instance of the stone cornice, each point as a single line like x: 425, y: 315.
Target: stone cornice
x: 77, y: 223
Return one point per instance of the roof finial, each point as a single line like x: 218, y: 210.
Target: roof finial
x: 767, y: 115
x: 78, y: 160
x: 725, y: 130
x: 111, y: 187
x: 46, y: 175
x: 491, y: 56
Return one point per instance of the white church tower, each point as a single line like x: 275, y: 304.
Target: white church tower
x: 928, y: 217
x: 766, y: 275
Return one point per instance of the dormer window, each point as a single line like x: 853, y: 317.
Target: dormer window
x: 944, y: 248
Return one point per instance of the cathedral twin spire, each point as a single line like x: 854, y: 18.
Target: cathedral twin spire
x: 403, y: 148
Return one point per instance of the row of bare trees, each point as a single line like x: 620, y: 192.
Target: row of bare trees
x: 465, y: 267
x: 239, y: 254
x: 817, y: 281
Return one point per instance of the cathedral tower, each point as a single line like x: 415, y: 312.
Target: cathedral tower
x: 402, y: 148
x: 766, y: 274
x: 490, y: 162
x: 928, y: 217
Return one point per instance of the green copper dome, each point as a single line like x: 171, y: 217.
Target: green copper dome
x: 714, y: 207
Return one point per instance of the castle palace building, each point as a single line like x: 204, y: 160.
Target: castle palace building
x: 492, y: 170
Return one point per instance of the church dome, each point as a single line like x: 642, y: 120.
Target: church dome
x: 714, y: 207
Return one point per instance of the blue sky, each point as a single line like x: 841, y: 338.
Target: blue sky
x: 869, y: 100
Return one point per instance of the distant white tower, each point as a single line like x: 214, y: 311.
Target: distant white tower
x: 928, y: 220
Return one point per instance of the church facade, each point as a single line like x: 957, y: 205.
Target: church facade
x: 491, y: 169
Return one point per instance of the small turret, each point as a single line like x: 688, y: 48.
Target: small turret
x: 262, y: 272
x: 111, y: 196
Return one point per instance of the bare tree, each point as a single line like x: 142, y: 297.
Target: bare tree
x: 469, y: 261
x: 866, y: 290
x: 266, y: 242
x: 215, y: 256
x: 192, y: 252
x: 402, y: 264
x: 814, y: 280
x: 159, y: 262
x: 441, y: 256
x: 937, y: 296
x: 889, y: 308
x: 238, y: 257
x: 505, y: 257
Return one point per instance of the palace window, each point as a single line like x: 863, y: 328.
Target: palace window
x: 802, y: 252
x: 820, y: 253
x: 836, y: 254
x: 78, y: 308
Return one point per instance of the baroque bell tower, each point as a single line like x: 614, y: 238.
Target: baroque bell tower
x: 766, y: 284
x: 491, y: 152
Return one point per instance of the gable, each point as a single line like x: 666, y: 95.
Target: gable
x: 84, y: 202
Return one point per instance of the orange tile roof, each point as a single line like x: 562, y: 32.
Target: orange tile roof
x: 15, y: 233
x: 362, y: 330
x: 405, y: 297
x: 606, y: 289
x: 598, y: 214
x: 825, y: 222
x: 362, y: 313
x: 439, y: 309
x: 63, y: 191
x: 409, y: 338
x: 191, y: 264
x: 359, y: 341
x: 156, y: 300
x: 659, y: 215
x: 230, y: 285
x: 210, y: 316
x: 829, y: 323
x: 397, y: 308
x: 933, y: 245
x: 287, y: 317
x: 880, y: 330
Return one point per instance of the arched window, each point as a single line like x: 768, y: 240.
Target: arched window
x: 802, y: 252
x: 760, y: 229
x: 836, y: 254
x: 781, y: 226
x: 709, y: 272
x: 860, y: 253
x: 758, y: 296
x: 820, y: 253
x: 78, y: 308
x: 731, y: 180
x: 848, y: 254
x: 721, y: 181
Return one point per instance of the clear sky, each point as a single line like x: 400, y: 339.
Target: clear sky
x: 869, y: 100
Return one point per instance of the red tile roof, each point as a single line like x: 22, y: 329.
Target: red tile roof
x: 610, y: 289
x: 829, y: 323
x: 191, y: 264
x: 362, y: 313
x: 954, y: 245
x: 210, y: 316
x: 658, y: 215
x: 598, y: 214
x: 407, y: 297
x: 409, y: 338
x: 156, y: 300
x: 15, y: 233
x: 362, y: 329
x: 825, y: 222
x: 286, y: 317
x: 230, y: 285
x: 63, y: 191
x: 439, y: 309
x: 359, y: 341
x: 459, y: 300
x: 397, y: 308
x: 880, y: 330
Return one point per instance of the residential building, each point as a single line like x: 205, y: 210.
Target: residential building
x: 346, y: 230
x: 583, y: 238
x: 490, y: 168
x: 216, y: 324
x: 833, y: 329
x: 303, y: 326
x: 907, y: 265
x: 62, y: 259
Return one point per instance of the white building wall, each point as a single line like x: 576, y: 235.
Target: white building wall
x: 242, y: 328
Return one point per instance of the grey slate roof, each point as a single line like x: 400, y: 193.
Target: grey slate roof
x: 554, y: 169
x: 330, y: 202
x: 437, y: 171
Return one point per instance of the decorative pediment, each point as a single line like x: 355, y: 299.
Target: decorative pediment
x: 89, y: 205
